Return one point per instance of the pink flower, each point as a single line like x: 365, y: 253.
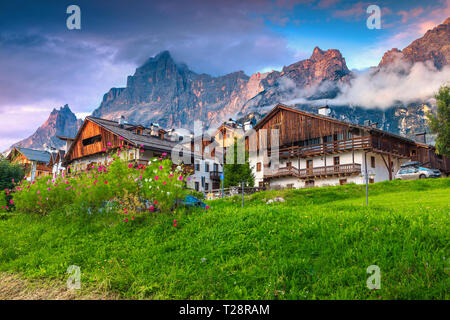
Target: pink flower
x: 160, y: 167
x: 48, y: 189
x: 164, y: 183
x: 207, y: 207
x: 142, y: 145
x: 12, y: 180
x: 156, y: 178
x: 189, y: 178
x: 130, y: 165
x: 11, y: 201
x: 180, y: 178
x: 151, y: 208
x: 164, y: 154
x: 109, y: 143
x: 38, y: 192
x: 121, y: 138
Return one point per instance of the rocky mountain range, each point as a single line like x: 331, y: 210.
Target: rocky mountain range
x: 61, y: 122
x: 165, y: 91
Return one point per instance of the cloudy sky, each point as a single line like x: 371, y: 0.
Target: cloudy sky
x: 44, y: 65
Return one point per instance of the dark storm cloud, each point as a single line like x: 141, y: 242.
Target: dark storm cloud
x: 44, y: 60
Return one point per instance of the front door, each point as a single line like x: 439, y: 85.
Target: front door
x: 309, y: 167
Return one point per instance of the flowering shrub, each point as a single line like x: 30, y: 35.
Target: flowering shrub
x: 155, y: 187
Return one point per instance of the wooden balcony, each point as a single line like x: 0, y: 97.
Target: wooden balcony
x: 325, y: 148
x: 337, y: 170
x: 215, y: 175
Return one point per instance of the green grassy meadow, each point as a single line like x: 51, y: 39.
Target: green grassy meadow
x: 316, y: 245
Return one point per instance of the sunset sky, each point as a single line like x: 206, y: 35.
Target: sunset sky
x: 43, y: 65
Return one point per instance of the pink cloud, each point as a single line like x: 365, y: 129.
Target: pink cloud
x: 323, y: 4
x: 413, y: 13
x: 355, y: 11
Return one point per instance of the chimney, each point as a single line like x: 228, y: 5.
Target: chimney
x: 324, y: 111
x: 121, y: 121
x: 367, y: 123
x: 154, y: 128
x: 247, y: 126
x: 421, y: 137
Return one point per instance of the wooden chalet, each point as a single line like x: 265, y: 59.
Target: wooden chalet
x: 97, y: 135
x: 316, y: 149
x: 35, y: 162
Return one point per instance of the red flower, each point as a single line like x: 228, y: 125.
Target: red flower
x: 106, y: 182
x: 207, y: 207
x: 155, y: 202
x: 151, y: 208
x: 11, y: 201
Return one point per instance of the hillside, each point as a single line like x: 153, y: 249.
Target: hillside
x: 316, y: 245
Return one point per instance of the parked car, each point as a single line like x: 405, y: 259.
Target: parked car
x: 416, y: 172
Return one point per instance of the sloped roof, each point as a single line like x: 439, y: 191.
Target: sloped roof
x: 146, y: 139
x: 35, y: 155
x: 328, y: 118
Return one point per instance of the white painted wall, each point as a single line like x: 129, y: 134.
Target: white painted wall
x: 379, y: 173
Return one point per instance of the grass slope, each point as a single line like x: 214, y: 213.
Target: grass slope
x: 316, y: 245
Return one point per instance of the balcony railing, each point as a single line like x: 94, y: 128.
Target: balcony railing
x: 352, y: 168
x: 325, y: 148
x: 215, y: 175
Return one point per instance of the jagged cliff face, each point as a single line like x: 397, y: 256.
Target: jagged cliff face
x: 172, y: 95
x: 433, y: 46
x: 62, y: 122
x: 169, y: 93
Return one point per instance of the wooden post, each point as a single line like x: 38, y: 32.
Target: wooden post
x: 390, y: 166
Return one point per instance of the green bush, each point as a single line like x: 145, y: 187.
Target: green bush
x: 9, y: 173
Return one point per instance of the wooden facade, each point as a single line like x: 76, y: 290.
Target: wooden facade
x: 89, y: 129
x: 303, y: 135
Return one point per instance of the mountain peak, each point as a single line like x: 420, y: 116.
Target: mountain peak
x: 160, y: 57
x: 433, y: 46
x: 62, y: 122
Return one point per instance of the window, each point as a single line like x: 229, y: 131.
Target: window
x: 197, y: 166
x: 216, y: 167
x: 206, y: 167
x: 206, y: 186
x: 309, y: 164
x: 206, y: 149
x: 197, y: 147
x: 261, y: 184
x: 336, y: 161
x: 92, y: 140
x: 372, y: 162
x: 342, y: 181
x: 290, y: 185
x: 289, y: 164
x: 371, y: 180
x: 258, y: 166
x: 197, y: 186
x: 309, y: 183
